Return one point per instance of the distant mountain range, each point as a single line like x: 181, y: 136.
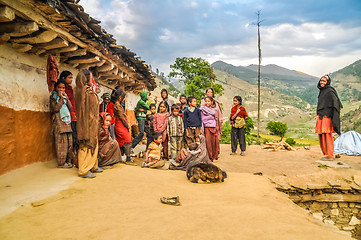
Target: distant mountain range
x: 281, y: 79
x: 295, y: 83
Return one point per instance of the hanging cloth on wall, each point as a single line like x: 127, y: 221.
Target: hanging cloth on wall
x: 52, y: 72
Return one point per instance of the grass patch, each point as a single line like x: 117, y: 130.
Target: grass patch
x: 323, y: 166
x: 299, y: 142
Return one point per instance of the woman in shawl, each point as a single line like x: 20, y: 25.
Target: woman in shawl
x: 87, y: 113
x: 109, y: 152
x: 217, y: 105
x: 328, y: 116
x: 200, y: 156
x: 121, y: 126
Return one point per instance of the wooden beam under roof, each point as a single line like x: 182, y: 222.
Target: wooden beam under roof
x: 41, y: 37
x: 4, y: 38
x: 6, y: 14
x: 56, y: 43
x: 110, y: 76
x: 106, y: 67
x: 22, y: 47
x: 71, y: 48
x: 90, y: 65
x: 76, y: 53
x: 18, y: 29
x: 85, y: 59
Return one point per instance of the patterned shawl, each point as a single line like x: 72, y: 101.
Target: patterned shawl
x: 201, y: 157
x: 87, y: 112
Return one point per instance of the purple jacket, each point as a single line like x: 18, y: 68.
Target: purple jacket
x: 209, y: 116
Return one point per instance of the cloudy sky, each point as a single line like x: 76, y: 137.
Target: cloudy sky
x: 313, y: 36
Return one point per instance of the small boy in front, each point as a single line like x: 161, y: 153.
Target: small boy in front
x: 192, y: 121
x: 153, y: 155
x: 175, y: 131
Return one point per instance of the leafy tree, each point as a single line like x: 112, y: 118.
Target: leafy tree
x: 277, y: 128
x: 196, y: 74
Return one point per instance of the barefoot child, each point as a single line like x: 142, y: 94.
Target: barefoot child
x: 61, y: 120
x: 153, y: 154
x: 238, y: 120
x: 192, y: 120
x: 67, y: 77
x: 192, y: 149
x: 160, y: 125
x: 175, y: 131
x: 209, y: 121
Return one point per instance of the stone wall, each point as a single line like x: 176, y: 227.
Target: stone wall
x: 344, y: 215
x: 335, y: 200
x: 25, y: 127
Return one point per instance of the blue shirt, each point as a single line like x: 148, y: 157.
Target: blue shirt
x: 192, y: 119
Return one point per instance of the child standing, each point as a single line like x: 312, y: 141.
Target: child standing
x: 67, y: 77
x: 209, y: 120
x: 175, y: 130
x: 61, y: 120
x: 121, y: 127
x: 192, y: 120
x: 104, y: 104
x: 160, y: 123
x: 110, y: 110
x: 141, y: 113
x: 153, y: 155
x: 238, y: 120
x: 149, y: 128
x: 183, y: 104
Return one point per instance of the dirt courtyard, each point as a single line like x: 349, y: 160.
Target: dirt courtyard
x: 123, y: 202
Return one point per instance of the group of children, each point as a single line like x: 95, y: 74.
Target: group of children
x: 181, y: 128
x: 90, y: 135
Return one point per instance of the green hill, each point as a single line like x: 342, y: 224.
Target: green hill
x: 351, y: 120
x: 281, y: 79
x: 347, y: 82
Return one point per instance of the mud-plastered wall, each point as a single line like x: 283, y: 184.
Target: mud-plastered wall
x: 25, y: 126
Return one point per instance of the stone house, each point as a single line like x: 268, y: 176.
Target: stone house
x: 30, y: 30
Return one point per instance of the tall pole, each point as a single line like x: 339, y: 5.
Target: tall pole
x: 259, y: 75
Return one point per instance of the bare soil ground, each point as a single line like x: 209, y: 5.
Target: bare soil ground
x: 123, y: 202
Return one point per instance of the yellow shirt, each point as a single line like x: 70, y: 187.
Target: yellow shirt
x: 154, y: 151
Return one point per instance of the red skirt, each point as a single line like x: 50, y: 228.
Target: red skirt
x: 324, y: 125
x: 122, y: 134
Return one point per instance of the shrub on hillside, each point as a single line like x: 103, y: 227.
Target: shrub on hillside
x: 277, y: 128
x: 290, y: 141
